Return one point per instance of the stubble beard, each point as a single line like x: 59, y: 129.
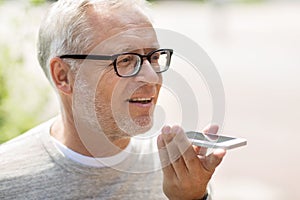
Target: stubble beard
x: 118, y: 125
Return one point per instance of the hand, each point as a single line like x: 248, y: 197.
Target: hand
x: 186, y: 173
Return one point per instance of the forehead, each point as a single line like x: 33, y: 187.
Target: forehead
x: 127, y: 41
x: 122, y: 30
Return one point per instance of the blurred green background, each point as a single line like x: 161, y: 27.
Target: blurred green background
x: 22, y: 98
x: 22, y: 108
x: 255, y: 46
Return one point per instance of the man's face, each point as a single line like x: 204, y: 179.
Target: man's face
x: 124, y: 106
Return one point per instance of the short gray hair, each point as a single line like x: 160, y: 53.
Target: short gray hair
x: 66, y: 28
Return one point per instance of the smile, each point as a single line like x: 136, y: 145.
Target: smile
x: 140, y: 100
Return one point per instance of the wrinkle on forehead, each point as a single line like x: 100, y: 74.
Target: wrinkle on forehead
x: 128, y: 41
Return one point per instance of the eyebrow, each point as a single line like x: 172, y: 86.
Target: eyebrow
x: 128, y: 49
x: 132, y: 49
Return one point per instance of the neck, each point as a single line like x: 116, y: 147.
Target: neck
x: 64, y: 131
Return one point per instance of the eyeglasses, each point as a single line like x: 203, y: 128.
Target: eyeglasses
x: 129, y: 64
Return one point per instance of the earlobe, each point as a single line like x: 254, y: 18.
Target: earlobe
x: 60, y: 75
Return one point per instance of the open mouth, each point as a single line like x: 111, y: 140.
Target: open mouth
x: 140, y: 100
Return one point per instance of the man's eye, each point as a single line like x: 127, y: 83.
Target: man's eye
x: 125, y: 60
x: 155, y: 56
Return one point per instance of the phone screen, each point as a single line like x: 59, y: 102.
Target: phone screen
x: 208, y: 137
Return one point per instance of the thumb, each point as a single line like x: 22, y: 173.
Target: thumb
x: 213, y: 160
x: 211, y: 128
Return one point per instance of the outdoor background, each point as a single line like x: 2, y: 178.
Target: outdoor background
x: 255, y: 46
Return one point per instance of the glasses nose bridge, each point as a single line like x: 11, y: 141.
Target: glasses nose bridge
x: 143, y: 58
x: 148, y: 57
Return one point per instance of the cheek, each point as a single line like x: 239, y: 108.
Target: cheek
x: 158, y: 86
x: 105, y: 87
x: 109, y: 89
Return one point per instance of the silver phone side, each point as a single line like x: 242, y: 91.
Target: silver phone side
x: 227, y: 142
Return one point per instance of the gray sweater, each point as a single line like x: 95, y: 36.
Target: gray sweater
x: 31, y: 167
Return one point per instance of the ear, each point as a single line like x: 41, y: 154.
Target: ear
x: 60, y: 75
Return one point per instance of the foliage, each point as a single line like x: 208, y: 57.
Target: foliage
x: 3, y: 95
x: 20, y: 106
x: 37, y: 2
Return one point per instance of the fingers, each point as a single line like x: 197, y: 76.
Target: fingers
x: 197, y: 149
x: 175, y: 155
x: 184, y: 146
x: 213, y: 160
x: 168, y: 169
x: 179, y: 157
x: 211, y: 129
x: 185, y: 174
x: 179, y: 150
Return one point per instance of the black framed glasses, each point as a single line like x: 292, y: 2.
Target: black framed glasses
x: 129, y: 64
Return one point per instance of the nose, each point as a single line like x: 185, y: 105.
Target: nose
x: 147, y: 73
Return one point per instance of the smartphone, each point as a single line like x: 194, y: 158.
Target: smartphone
x: 215, y: 141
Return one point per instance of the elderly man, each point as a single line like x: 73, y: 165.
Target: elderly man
x: 105, y: 63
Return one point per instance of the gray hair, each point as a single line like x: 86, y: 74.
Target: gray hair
x: 67, y: 30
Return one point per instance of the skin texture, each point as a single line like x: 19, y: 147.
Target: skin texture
x: 112, y: 91
x: 186, y: 174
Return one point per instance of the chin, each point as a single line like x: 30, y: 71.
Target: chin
x: 143, y: 124
x: 136, y: 126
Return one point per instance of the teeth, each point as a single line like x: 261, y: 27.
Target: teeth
x: 143, y: 100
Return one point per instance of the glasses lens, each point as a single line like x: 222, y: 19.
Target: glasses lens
x: 160, y: 60
x: 127, y: 64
